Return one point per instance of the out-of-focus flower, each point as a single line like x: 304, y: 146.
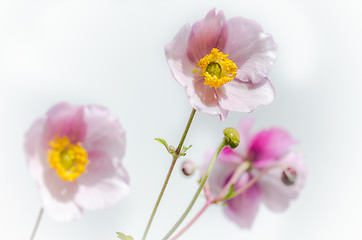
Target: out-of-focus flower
x: 75, y: 153
x: 223, y: 64
x: 275, y: 188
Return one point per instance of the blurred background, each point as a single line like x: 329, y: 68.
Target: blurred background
x: 111, y: 53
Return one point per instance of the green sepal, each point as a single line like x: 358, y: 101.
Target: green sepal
x: 124, y: 236
x: 184, y: 149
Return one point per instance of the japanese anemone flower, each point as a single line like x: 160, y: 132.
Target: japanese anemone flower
x: 75, y: 153
x: 280, y: 171
x: 223, y: 64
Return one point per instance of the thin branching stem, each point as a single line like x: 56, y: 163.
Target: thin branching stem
x: 173, y: 229
x: 176, y: 155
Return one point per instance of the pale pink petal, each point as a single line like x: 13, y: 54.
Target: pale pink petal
x: 204, y: 99
x: 201, y: 97
x: 205, y: 35
x: 252, y: 50
x: 274, y: 193
x: 240, y: 96
x: 103, y: 185
x: 268, y: 146
x: 180, y: 65
x: 104, y: 133
x: 58, y: 188
x: 57, y: 196
x: 106, y: 180
x: 65, y: 120
x: 60, y: 211
x: 35, y: 150
x: 243, y: 208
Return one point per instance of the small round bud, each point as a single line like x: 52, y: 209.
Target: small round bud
x: 188, y: 168
x: 289, y: 176
x: 232, y: 138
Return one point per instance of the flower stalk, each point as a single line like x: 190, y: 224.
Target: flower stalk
x: 37, y: 223
x: 176, y: 155
x: 177, y: 224
x: 207, y: 204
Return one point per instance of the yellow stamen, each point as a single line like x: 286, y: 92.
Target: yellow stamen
x: 67, y: 159
x: 217, y: 68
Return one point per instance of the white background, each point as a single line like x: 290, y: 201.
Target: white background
x: 112, y: 53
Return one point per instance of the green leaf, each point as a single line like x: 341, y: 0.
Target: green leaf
x: 162, y: 141
x: 169, y: 149
x: 124, y: 237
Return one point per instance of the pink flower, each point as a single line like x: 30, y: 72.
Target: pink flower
x: 263, y: 150
x: 75, y: 153
x: 223, y: 64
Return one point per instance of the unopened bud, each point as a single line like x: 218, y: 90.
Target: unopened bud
x: 289, y: 176
x: 232, y: 138
x: 188, y: 168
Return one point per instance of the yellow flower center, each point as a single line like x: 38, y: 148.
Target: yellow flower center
x: 67, y: 159
x: 217, y: 68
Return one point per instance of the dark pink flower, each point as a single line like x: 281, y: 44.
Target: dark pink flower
x: 75, y: 153
x: 263, y: 150
x: 223, y: 64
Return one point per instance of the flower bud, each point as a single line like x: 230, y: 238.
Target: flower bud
x: 188, y: 168
x: 232, y: 138
x: 289, y: 176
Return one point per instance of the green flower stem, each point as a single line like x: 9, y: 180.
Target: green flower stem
x: 207, y: 204
x: 37, y: 223
x: 176, y: 155
x: 173, y: 229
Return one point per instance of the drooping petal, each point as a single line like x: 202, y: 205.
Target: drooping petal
x: 243, y: 208
x: 274, y: 193
x: 65, y: 120
x: 252, y: 50
x: 204, y: 99
x: 240, y: 96
x: 103, y: 185
x: 205, y: 35
x: 35, y: 150
x: 268, y: 146
x: 57, y: 196
x: 176, y: 56
x: 104, y: 133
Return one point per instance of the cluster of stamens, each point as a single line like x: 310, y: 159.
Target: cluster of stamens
x: 69, y: 160
x: 217, y: 69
